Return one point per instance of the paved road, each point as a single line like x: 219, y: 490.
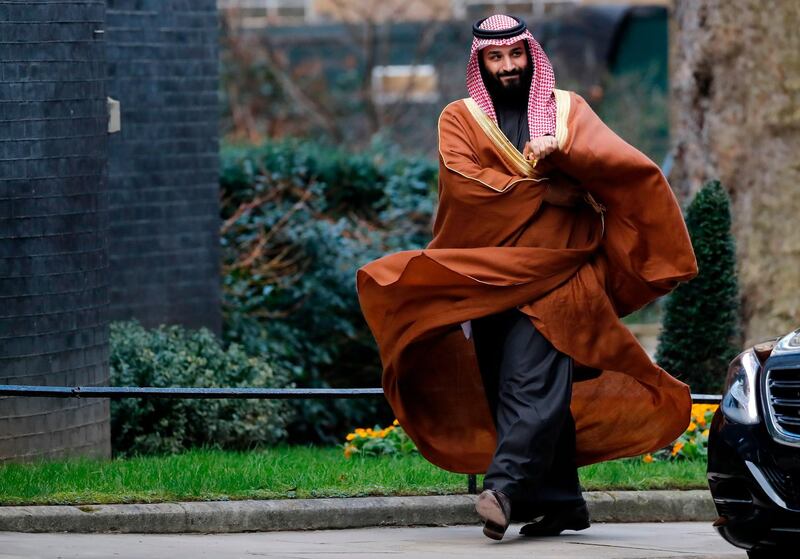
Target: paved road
x: 684, y: 539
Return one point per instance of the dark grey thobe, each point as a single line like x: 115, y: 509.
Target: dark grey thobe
x: 529, y: 387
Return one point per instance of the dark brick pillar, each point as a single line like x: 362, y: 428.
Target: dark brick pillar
x: 164, y: 164
x: 53, y: 225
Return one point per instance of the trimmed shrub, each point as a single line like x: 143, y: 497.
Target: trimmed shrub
x: 299, y: 218
x: 171, y: 356
x: 700, y: 332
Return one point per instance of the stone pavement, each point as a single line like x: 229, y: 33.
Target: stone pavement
x: 601, y: 541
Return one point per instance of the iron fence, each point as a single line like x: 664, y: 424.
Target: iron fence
x: 117, y: 392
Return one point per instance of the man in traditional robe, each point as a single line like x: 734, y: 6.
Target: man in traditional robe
x: 549, y: 228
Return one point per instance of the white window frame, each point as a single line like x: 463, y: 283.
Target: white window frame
x: 404, y: 70
x: 460, y: 7
x: 270, y: 8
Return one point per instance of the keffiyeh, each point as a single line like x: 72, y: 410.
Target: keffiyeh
x: 495, y: 30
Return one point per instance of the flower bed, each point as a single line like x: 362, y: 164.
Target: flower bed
x: 692, y: 445
x: 376, y: 441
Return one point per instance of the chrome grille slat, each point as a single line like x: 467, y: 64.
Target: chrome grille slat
x: 785, y: 402
x: 784, y: 384
x: 787, y: 419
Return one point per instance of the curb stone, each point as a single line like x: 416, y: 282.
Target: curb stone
x: 321, y: 514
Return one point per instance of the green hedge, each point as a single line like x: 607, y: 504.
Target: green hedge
x: 299, y: 218
x: 701, y: 332
x: 173, y: 356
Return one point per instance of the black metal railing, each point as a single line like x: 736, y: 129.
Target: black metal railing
x: 117, y: 392
x: 185, y: 393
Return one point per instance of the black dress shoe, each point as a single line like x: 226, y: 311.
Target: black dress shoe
x: 494, y: 507
x: 555, y: 522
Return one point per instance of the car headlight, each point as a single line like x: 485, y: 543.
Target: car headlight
x: 739, y: 397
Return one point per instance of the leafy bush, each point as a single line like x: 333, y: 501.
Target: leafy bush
x: 700, y: 332
x: 299, y: 218
x: 171, y: 356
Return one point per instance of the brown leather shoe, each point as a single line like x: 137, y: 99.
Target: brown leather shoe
x: 494, y: 507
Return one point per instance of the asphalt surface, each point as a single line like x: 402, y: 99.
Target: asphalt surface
x: 642, y: 540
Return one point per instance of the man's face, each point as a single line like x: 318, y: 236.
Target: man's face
x: 506, y: 65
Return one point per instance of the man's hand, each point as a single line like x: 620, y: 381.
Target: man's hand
x: 540, y: 147
x: 561, y: 194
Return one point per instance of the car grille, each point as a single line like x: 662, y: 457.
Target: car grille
x: 782, y: 398
x: 786, y: 484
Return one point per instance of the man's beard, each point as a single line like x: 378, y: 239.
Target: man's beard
x: 508, y: 91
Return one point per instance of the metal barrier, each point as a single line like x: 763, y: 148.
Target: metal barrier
x: 117, y: 392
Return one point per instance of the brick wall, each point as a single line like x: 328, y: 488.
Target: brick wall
x: 163, y: 165
x: 53, y: 225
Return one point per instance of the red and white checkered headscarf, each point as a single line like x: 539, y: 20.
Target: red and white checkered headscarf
x: 541, y: 100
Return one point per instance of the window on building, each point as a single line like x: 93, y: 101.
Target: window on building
x: 476, y: 9
x: 402, y: 82
x: 262, y: 13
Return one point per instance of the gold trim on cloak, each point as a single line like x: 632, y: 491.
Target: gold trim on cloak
x: 523, y: 166
x: 510, y: 152
x: 563, y: 101
x: 508, y: 187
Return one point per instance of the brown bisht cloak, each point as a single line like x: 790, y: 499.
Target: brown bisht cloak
x: 573, y: 271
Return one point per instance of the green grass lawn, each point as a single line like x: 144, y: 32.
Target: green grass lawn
x: 284, y: 472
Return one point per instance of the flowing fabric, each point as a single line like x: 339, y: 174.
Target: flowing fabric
x: 573, y: 271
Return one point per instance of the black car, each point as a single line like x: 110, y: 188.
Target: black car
x: 754, y: 450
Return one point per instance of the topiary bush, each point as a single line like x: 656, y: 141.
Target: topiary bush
x: 171, y: 356
x: 299, y: 218
x: 701, y: 333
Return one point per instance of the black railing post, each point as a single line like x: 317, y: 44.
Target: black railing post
x: 472, y: 484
